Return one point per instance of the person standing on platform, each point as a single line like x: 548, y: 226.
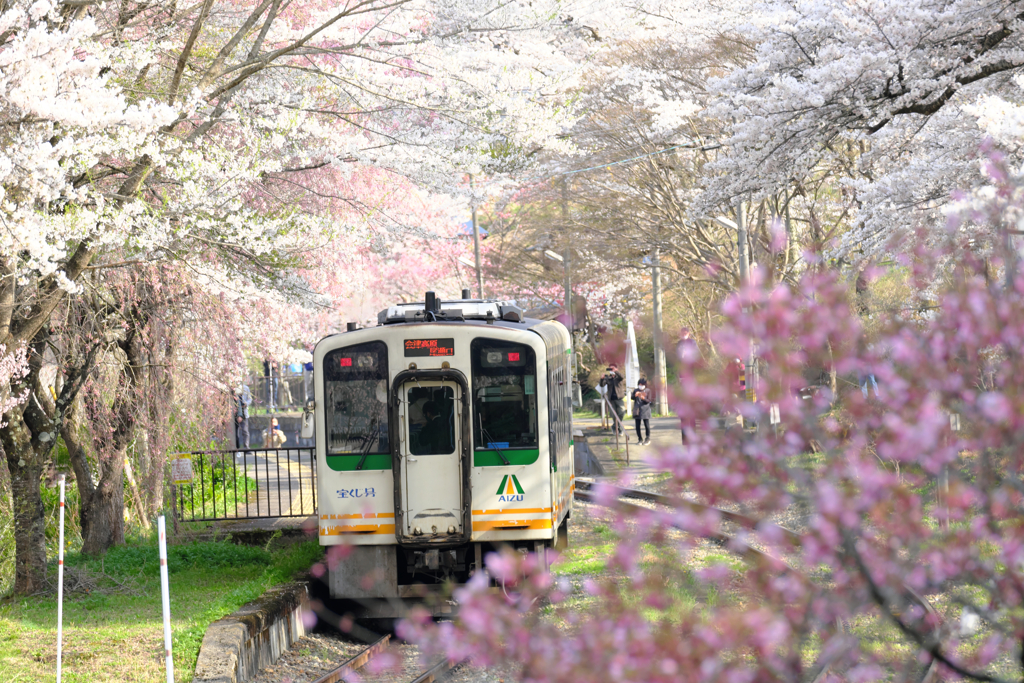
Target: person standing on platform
x: 642, y: 411
x: 616, y: 384
x: 242, y: 400
x: 274, y: 437
x: 736, y: 372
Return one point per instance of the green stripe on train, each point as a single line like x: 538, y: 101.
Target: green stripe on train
x: 348, y: 462
x: 519, y: 456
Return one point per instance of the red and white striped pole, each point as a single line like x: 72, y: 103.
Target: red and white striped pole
x: 166, y: 599
x: 60, y: 582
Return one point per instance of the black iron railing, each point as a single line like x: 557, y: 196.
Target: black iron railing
x: 247, y: 484
x: 278, y: 394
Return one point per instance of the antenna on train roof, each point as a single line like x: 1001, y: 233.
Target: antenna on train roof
x: 467, y: 294
x: 434, y: 310
x: 351, y: 327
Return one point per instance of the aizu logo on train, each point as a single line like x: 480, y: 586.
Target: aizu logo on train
x: 510, y: 491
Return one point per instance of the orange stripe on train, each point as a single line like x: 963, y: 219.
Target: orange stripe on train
x: 357, y: 529
x: 512, y: 524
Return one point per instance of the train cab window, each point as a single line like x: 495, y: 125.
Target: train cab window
x: 431, y: 420
x: 504, y: 395
x: 356, y: 398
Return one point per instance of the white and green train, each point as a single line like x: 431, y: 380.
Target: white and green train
x: 441, y: 434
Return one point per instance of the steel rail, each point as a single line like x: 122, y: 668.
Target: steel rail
x: 747, y: 552
x: 736, y: 518
x: 430, y: 675
x: 357, y: 662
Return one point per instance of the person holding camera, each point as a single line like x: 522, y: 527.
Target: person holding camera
x: 616, y: 384
x: 642, y: 410
x: 274, y: 436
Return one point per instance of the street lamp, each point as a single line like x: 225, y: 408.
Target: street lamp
x: 554, y: 256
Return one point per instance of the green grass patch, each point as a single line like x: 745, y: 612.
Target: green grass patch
x: 114, y: 631
x: 733, y: 562
x: 581, y: 567
x: 584, y: 560
x: 218, y: 487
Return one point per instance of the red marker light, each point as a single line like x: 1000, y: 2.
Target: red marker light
x: 346, y: 362
x: 513, y: 357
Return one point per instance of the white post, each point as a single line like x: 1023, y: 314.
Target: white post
x: 60, y: 583
x: 567, y: 256
x: 166, y: 599
x: 660, y: 373
x: 476, y: 245
x: 744, y: 266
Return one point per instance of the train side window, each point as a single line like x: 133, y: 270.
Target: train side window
x: 504, y: 395
x: 356, y: 399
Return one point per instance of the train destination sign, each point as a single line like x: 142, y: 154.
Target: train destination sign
x: 430, y: 347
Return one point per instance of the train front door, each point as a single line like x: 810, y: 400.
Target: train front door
x: 431, y: 467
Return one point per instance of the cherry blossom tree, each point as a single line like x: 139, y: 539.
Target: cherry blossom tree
x: 898, y: 508
x: 883, y: 98
x: 222, y: 137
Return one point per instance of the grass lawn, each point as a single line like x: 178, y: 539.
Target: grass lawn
x: 113, y: 629
x: 592, y: 544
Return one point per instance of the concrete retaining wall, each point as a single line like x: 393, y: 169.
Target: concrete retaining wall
x: 585, y: 463
x: 236, y: 647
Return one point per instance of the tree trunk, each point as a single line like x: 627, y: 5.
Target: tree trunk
x: 27, y: 438
x: 102, y: 500
x: 105, y: 514
x: 29, y: 518
x: 102, y: 508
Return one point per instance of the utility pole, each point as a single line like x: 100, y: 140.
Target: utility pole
x: 741, y: 242
x: 566, y: 255
x: 476, y: 244
x: 660, y: 381
x: 744, y: 267
x: 792, y: 250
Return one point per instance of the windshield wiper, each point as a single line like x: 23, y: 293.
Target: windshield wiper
x: 368, y: 441
x: 495, y: 444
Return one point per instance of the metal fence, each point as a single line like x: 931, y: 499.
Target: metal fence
x: 287, y: 392
x: 247, y: 484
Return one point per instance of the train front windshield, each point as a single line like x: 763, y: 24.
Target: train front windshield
x: 356, y: 397
x: 504, y: 395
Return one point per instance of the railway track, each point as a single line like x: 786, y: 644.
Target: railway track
x: 345, y: 672
x: 625, y: 498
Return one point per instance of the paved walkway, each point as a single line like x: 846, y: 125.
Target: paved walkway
x: 664, y: 434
